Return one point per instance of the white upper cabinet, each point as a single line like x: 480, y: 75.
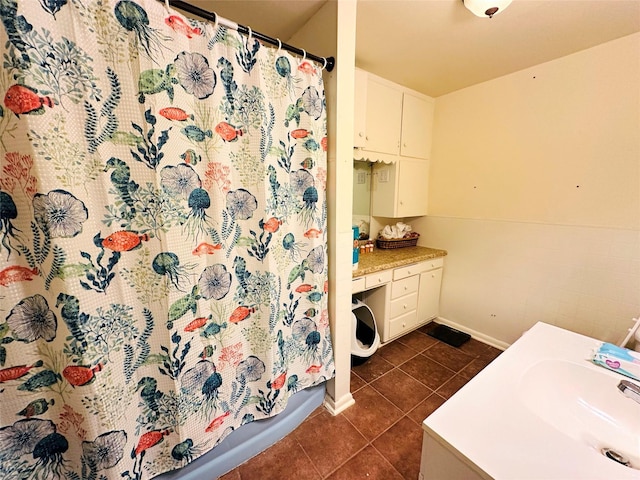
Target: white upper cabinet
x: 384, y: 115
x: 360, y: 110
x: 400, y: 189
x: 417, y: 122
x: 390, y: 119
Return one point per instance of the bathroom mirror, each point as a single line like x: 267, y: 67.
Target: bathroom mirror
x: 361, y: 195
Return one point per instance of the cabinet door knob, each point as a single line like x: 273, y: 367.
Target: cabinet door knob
x: 433, y: 275
x: 361, y: 134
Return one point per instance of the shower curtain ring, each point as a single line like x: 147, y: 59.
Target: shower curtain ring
x: 304, y: 55
x: 278, y: 52
x: 250, y: 34
x: 166, y: 4
x: 325, y: 63
x: 215, y: 20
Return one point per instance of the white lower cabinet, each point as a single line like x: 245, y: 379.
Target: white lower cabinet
x: 430, y: 282
x: 410, y: 298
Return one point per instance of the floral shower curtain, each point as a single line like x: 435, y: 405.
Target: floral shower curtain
x: 163, y: 264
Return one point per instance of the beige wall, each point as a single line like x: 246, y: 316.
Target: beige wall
x: 557, y: 143
x: 535, y: 192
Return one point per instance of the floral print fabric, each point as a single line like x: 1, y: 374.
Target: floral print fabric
x: 163, y: 262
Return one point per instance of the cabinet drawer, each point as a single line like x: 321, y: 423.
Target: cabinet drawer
x: 357, y: 285
x: 431, y: 264
x: 402, y: 324
x: 404, y: 272
x: 377, y: 279
x: 403, y: 305
x: 405, y: 286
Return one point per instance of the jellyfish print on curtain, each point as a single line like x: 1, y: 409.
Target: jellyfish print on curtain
x: 163, y: 261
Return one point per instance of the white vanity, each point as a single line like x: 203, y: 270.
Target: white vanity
x: 392, y: 129
x: 541, y: 410
x: 401, y: 287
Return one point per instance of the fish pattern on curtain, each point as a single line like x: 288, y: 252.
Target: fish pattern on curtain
x: 163, y: 261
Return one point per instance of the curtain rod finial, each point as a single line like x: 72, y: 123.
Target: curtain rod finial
x: 331, y: 62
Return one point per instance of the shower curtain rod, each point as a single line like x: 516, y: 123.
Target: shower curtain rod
x: 212, y: 17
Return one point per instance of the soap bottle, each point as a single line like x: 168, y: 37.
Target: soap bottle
x: 356, y: 246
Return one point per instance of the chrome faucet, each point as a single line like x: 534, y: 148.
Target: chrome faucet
x: 630, y: 389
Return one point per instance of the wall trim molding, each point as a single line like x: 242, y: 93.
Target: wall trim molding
x: 533, y: 222
x: 336, y: 407
x: 499, y: 344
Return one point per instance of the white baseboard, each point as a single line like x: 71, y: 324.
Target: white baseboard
x: 481, y: 337
x: 340, y: 406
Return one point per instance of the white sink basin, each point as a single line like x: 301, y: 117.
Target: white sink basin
x: 541, y: 410
x: 583, y: 402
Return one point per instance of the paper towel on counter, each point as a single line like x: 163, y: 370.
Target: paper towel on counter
x: 399, y: 230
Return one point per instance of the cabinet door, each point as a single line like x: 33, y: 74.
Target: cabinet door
x: 429, y: 295
x: 383, y: 117
x: 417, y: 122
x: 400, y: 189
x: 412, y: 188
x: 360, y: 109
x: 384, y: 190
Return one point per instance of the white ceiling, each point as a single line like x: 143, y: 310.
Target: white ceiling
x: 438, y: 46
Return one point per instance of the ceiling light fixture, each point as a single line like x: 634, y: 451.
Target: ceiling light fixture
x: 486, y: 8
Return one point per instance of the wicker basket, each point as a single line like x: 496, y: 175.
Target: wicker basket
x: 396, y: 242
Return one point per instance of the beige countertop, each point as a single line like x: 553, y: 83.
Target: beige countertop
x: 381, y: 259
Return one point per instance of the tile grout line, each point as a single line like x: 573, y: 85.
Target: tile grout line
x: 369, y: 442
x: 406, y: 415
x: 310, y: 461
x: 386, y: 460
x: 346, y: 461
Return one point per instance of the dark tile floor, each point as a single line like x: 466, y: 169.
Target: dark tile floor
x: 380, y: 437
